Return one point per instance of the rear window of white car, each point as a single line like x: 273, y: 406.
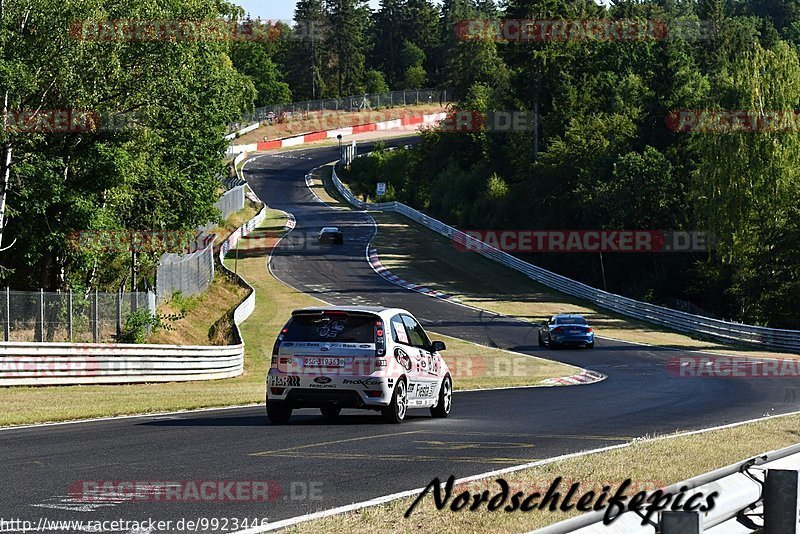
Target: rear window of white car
x: 343, y: 328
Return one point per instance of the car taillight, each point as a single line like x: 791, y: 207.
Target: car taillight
x: 591, y: 329
x: 380, y: 340
x: 558, y: 329
x: 274, y: 361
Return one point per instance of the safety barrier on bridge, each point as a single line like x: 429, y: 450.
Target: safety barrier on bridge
x: 46, y: 364
x: 758, y: 493
x: 676, y: 320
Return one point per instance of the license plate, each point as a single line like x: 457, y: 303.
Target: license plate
x: 575, y: 331
x: 324, y: 362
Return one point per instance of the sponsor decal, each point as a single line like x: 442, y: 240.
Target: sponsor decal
x: 284, y: 381
x: 403, y: 359
x: 322, y: 380
x: 425, y: 390
x: 366, y: 382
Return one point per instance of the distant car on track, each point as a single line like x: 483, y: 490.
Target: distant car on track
x: 371, y: 358
x: 331, y: 234
x: 563, y: 330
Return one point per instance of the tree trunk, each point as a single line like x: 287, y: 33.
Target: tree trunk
x: 6, y: 177
x: 5, y: 166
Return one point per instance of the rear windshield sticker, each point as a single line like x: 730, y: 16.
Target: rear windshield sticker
x: 332, y: 329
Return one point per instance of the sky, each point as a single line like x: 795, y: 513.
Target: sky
x: 275, y: 9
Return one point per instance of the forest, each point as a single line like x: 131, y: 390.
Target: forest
x: 605, y: 154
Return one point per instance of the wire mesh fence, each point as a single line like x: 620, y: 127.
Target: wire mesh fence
x: 365, y: 102
x: 188, y: 274
x: 91, y: 317
x: 232, y: 201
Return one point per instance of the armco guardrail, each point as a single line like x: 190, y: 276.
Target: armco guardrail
x: 759, y: 492
x: 643, y: 311
x: 45, y: 364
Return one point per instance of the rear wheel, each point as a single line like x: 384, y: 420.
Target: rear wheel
x: 278, y: 412
x: 590, y: 345
x: 541, y: 341
x: 442, y: 409
x: 330, y: 412
x: 396, y: 411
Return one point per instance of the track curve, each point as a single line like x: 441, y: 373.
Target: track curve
x: 358, y: 457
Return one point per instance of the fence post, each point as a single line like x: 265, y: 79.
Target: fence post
x: 41, y: 315
x: 96, y: 318
x: 782, y: 501
x: 7, y: 329
x: 69, y: 305
x: 681, y: 523
x: 119, y: 312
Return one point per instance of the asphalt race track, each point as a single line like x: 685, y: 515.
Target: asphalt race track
x: 316, y: 464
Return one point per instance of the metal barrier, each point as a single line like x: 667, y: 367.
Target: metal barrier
x: 366, y: 102
x: 758, y: 493
x: 676, y: 320
x: 47, y: 364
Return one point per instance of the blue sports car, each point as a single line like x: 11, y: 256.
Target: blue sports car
x: 563, y: 330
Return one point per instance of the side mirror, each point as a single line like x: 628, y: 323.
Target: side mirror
x: 438, y: 346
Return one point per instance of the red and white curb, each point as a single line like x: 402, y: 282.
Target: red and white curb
x: 584, y: 377
x: 406, y: 123
x: 385, y: 273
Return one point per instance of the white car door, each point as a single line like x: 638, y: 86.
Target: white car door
x: 422, y: 391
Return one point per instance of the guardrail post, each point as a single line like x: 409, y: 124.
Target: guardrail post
x: 69, y: 305
x: 95, y: 317
x: 41, y: 315
x: 680, y: 523
x: 7, y: 329
x: 782, y: 502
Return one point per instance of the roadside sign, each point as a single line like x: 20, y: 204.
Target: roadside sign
x: 381, y: 189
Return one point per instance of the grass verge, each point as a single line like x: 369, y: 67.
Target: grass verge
x: 650, y: 464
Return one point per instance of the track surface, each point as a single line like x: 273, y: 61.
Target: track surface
x: 359, y: 457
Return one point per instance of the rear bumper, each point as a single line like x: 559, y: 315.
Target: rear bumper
x: 573, y: 339
x: 316, y: 391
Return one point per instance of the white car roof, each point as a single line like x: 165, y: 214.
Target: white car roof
x: 377, y: 310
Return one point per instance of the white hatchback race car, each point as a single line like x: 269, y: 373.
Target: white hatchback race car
x: 363, y: 357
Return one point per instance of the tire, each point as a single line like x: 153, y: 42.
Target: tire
x: 590, y: 345
x: 330, y: 412
x: 278, y: 412
x: 396, y: 411
x: 339, y: 241
x: 442, y: 408
x: 541, y: 341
